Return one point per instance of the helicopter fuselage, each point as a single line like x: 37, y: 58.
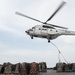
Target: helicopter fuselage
x: 48, y: 33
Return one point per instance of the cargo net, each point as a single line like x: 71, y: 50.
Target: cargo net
x: 59, y: 53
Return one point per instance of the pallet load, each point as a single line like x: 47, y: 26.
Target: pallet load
x: 63, y: 67
x: 42, y: 67
x: 23, y: 68
x: 13, y: 68
x: 0, y: 68
x: 68, y: 68
x: 34, y: 69
x: 17, y: 68
x: 8, y: 68
x: 73, y: 67
x: 60, y: 67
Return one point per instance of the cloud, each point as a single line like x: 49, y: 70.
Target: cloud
x: 24, y: 55
x: 11, y: 30
x: 68, y: 39
x: 15, y: 46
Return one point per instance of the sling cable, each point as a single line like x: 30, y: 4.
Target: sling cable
x: 59, y: 53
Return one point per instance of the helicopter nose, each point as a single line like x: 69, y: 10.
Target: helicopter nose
x: 27, y: 32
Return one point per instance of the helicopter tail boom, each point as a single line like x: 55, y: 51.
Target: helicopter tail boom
x: 66, y: 32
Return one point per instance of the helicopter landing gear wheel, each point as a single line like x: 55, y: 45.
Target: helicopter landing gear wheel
x: 31, y: 37
x: 48, y: 40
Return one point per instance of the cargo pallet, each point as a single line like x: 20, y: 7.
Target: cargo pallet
x: 23, y: 68
x: 63, y: 67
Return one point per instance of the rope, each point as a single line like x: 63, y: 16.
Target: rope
x: 59, y: 53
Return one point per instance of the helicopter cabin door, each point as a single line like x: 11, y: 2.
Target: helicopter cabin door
x: 38, y: 30
x: 44, y: 32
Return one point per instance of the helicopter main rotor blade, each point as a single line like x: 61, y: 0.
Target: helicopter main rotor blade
x: 61, y: 5
x: 28, y: 17
x: 51, y: 25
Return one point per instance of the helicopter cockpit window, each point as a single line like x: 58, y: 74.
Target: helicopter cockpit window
x: 48, y: 27
x: 33, y: 27
x: 31, y: 30
x: 44, y: 29
x: 39, y: 29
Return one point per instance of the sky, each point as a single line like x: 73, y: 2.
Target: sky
x: 16, y: 46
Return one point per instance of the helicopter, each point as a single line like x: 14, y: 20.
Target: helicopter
x: 46, y: 30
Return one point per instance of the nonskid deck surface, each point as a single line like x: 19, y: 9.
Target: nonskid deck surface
x: 53, y: 72
x: 9, y: 74
x: 50, y: 72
